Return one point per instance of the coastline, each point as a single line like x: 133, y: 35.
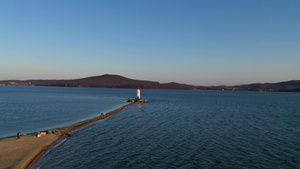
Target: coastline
x: 28, y: 149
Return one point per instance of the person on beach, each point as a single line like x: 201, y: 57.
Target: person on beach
x: 19, y: 134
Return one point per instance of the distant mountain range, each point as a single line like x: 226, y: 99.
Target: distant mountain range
x: 288, y: 86
x: 116, y: 81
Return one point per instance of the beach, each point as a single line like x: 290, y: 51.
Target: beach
x: 23, y: 152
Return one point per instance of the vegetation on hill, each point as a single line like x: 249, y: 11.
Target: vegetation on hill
x: 116, y: 81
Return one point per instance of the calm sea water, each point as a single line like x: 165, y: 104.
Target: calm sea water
x: 30, y: 109
x: 176, y: 129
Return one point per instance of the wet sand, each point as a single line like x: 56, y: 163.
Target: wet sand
x: 25, y: 151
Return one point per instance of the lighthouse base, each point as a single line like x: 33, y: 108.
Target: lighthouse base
x: 137, y: 100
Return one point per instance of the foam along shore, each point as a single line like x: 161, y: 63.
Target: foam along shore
x: 25, y: 151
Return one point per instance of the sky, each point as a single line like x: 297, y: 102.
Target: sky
x: 198, y: 42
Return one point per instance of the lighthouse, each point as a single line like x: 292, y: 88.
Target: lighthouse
x: 138, y: 95
x: 138, y: 98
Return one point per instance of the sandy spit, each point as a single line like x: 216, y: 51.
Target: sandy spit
x: 25, y: 151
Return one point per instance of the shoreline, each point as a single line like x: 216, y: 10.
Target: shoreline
x: 37, y: 156
x: 28, y: 149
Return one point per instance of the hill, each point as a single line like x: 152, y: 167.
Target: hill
x: 116, y: 81
x: 104, y: 81
x: 293, y: 86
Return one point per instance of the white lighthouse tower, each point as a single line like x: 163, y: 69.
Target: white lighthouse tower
x: 138, y: 95
x: 138, y: 98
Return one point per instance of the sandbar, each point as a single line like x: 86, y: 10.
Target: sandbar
x: 25, y: 151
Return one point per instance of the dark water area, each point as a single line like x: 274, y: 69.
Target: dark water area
x: 189, y: 129
x: 29, y: 108
x: 176, y: 129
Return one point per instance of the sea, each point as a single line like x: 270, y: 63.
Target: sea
x: 175, y: 129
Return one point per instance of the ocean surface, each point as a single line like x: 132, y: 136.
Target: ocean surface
x: 28, y: 109
x: 176, y: 129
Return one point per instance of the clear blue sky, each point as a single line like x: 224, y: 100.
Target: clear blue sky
x: 212, y: 42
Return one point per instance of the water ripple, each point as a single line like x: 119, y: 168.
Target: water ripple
x: 190, y: 129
